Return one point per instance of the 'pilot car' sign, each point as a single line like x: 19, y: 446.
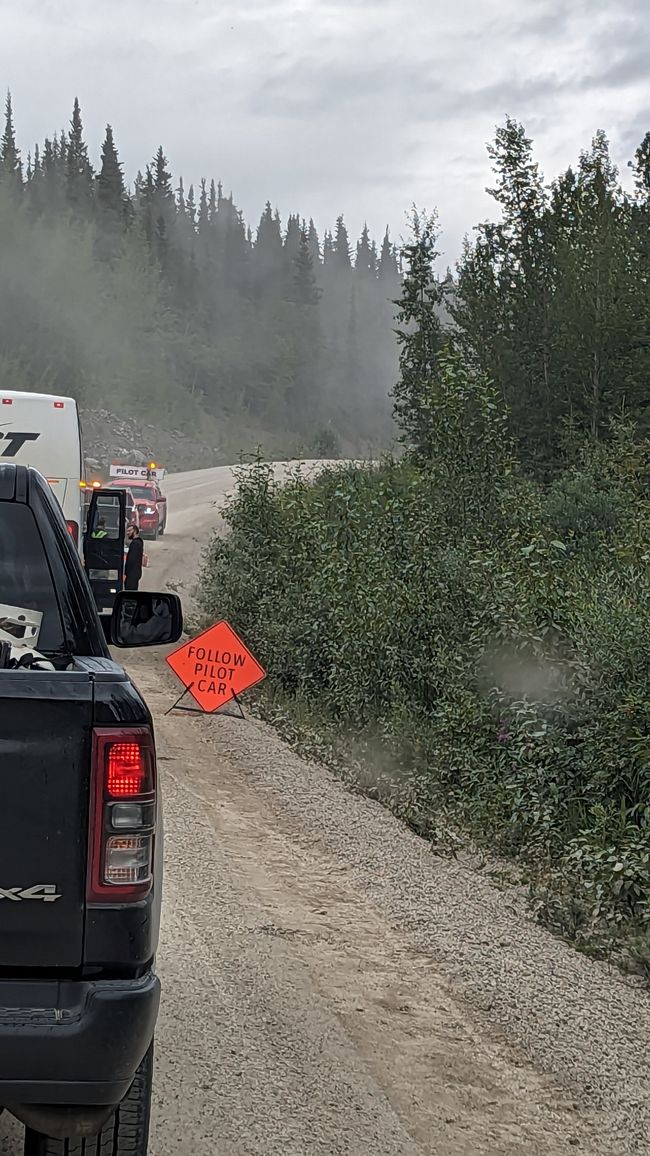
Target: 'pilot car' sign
x: 216, y: 667
x: 136, y: 473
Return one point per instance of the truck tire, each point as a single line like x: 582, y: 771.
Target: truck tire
x: 125, y: 1134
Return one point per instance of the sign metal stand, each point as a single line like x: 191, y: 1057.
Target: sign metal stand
x: 196, y: 710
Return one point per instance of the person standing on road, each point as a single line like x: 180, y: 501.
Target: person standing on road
x: 134, y: 559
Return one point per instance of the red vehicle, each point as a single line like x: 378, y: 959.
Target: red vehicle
x: 150, y: 502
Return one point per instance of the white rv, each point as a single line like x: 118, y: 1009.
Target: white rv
x: 44, y: 431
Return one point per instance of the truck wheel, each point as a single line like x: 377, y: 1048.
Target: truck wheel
x: 125, y: 1134
x: 156, y: 532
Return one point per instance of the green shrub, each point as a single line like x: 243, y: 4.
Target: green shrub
x: 493, y: 640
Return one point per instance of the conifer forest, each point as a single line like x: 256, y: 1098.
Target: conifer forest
x: 160, y: 301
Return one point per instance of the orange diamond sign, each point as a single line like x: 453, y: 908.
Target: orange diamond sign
x: 216, y: 667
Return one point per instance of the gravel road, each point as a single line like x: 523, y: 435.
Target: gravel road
x: 331, y: 986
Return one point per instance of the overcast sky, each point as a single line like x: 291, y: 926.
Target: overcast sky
x: 359, y: 107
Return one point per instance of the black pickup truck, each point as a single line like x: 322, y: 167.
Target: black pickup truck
x: 80, y: 844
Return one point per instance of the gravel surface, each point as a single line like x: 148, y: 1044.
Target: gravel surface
x: 572, y: 1018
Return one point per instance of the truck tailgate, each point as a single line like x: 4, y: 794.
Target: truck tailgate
x: 45, y: 763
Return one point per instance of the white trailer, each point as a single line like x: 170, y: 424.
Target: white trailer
x: 44, y: 431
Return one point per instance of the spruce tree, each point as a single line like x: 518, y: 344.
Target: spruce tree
x: 112, y: 202
x: 314, y: 244
x: 162, y: 179
x: 292, y: 237
x: 10, y: 165
x: 191, y: 206
x: 341, y: 259
x: 305, y: 289
x: 365, y: 263
x: 301, y: 339
x: 419, y: 335
x: 146, y: 208
x: 505, y: 294
x: 163, y: 210
x: 181, y: 204
x: 268, y: 249
x: 61, y: 165
x: 290, y: 253
x: 111, y: 190
x: 48, y: 155
x: 52, y: 185
x: 35, y: 182
x: 79, y: 173
x: 204, y: 210
x: 328, y: 247
x: 62, y: 148
x: 48, y: 171
x: 388, y: 270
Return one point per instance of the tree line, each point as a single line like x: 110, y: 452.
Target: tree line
x: 552, y: 300
x: 160, y: 299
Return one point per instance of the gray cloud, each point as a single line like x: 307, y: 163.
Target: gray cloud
x: 327, y: 106
x: 622, y: 68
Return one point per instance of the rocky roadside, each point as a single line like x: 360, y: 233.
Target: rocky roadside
x: 108, y: 437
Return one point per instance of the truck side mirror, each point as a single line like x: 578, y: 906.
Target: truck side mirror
x: 143, y: 618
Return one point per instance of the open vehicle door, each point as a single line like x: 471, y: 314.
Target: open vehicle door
x: 104, y: 545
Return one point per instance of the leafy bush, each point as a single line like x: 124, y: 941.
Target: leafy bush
x: 494, y: 643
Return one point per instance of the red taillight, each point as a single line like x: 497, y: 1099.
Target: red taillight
x: 124, y: 815
x: 73, y: 530
x: 127, y: 773
x: 7, y: 401
x: 59, y: 405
